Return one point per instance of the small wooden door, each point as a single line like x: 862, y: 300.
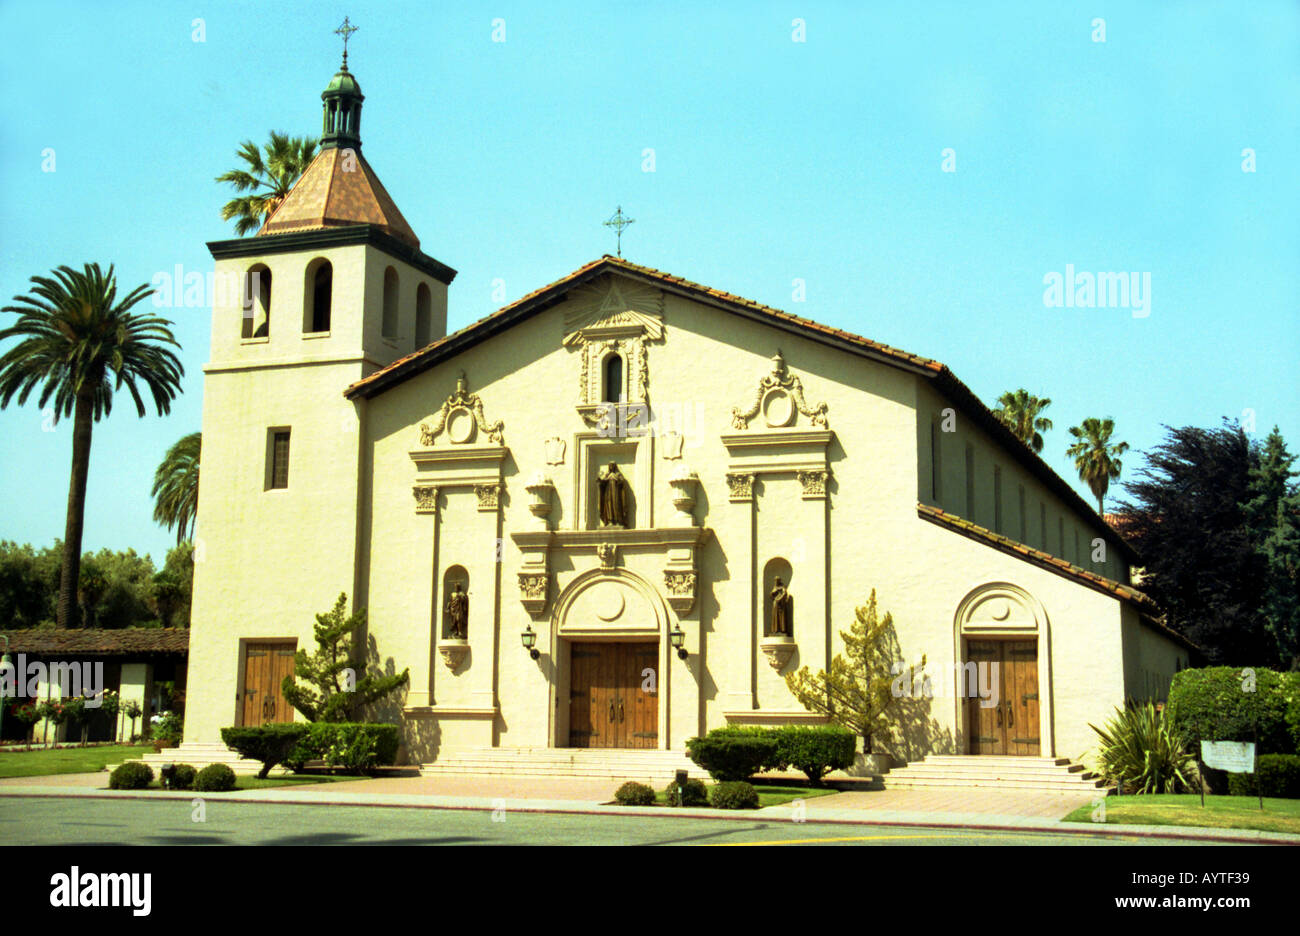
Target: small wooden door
x: 1011, y: 725
x: 613, y: 695
x: 265, y: 666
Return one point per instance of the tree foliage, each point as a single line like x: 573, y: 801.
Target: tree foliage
x: 1197, y: 514
x: 858, y: 692
x: 1096, y: 458
x: 330, y: 689
x: 266, y: 177
x: 176, y: 487
x: 1019, y: 411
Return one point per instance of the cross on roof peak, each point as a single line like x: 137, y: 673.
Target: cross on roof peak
x: 346, y: 31
x: 618, y: 221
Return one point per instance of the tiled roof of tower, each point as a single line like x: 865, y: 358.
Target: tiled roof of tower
x: 537, y: 300
x: 330, y: 193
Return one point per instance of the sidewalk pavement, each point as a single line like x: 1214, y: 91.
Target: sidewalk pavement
x: 993, y: 810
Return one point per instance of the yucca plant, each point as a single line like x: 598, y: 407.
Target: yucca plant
x: 1143, y: 751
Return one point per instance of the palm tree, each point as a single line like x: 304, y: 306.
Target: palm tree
x: 1095, y: 457
x: 80, y: 345
x: 176, y: 487
x: 268, y: 179
x: 1019, y: 411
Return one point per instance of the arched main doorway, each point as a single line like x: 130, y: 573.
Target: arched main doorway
x: 1004, y: 680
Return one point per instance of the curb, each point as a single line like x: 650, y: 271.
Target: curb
x: 465, y: 804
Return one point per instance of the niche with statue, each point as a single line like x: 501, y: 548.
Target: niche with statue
x: 778, y: 643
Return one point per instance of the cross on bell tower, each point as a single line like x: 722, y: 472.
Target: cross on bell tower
x: 346, y: 31
x: 618, y: 221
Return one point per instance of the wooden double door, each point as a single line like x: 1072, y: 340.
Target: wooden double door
x: 265, y: 666
x: 1011, y: 726
x: 614, y: 695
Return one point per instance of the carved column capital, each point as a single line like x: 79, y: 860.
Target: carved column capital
x: 814, y: 483
x: 426, y: 498
x: 740, y: 485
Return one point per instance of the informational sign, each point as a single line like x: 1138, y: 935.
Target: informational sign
x: 1230, y: 756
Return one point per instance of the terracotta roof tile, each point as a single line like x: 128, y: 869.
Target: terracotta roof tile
x: 127, y: 641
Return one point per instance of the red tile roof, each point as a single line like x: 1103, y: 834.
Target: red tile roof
x: 539, y: 299
x: 335, y: 192
x: 127, y: 641
x: 1150, y: 611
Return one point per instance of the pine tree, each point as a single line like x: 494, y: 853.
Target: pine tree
x: 1272, y: 509
x: 326, y: 697
x: 858, y: 692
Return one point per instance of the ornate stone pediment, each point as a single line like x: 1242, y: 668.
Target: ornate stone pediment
x: 613, y: 315
x: 779, y: 398
x: 613, y: 306
x: 461, y: 416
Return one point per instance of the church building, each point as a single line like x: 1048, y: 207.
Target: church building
x: 615, y: 512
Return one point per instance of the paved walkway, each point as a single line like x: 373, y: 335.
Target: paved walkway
x: 964, y: 808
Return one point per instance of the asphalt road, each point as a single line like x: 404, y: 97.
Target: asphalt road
x: 68, y: 821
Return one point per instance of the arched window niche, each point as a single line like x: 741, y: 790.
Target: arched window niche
x: 256, y: 322
x: 388, y: 327
x: 423, y: 316
x: 613, y: 379
x: 455, y: 604
x: 778, y: 603
x: 318, y: 293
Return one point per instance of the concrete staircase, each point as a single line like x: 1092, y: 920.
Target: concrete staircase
x: 1003, y: 773
x: 200, y: 754
x: 593, y: 763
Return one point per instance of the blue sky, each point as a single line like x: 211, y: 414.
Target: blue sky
x: 774, y: 161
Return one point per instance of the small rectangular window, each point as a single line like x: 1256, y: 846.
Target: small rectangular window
x: 970, y: 482
x: 997, y: 499
x: 277, y: 458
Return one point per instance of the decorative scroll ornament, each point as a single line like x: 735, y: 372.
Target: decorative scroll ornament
x: 779, y: 396
x: 461, y: 415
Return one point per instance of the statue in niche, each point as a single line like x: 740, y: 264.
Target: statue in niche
x: 457, y: 613
x: 612, y: 494
x: 782, y: 610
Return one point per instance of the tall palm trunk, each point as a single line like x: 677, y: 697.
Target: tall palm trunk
x: 71, y: 574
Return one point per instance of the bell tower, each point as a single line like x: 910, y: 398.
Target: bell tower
x: 332, y: 287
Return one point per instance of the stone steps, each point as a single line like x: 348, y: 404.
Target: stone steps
x: 1006, y: 773
x: 565, y: 762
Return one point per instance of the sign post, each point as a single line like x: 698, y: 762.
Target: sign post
x: 1232, y: 757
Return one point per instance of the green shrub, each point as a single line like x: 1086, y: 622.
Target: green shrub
x: 817, y: 750
x: 130, y: 776
x: 270, y: 744
x: 1279, y: 775
x: 214, y: 778
x: 734, y: 794
x: 692, y: 793
x: 1212, y: 705
x: 634, y: 794
x: 1142, y: 750
x: 353, y: 746
x: 183, y: 777
x: 731, y: 754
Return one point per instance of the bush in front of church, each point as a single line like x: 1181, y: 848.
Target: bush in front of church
x: 352, y: 747
x: 130, y: 776
x: 816, y: 749
x: 1278, y: 775
x: 734, y: 794
x: 731, y: 754
x: 214, y: 778
x: 270, y: 744
x: 692, y: 793
x: 634, y: 794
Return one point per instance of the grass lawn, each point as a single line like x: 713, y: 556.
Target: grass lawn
x: 43, y: 763
x: 1184, y: 809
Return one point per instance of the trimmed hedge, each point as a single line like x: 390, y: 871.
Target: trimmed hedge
x: 353, y: 746
x: 817, y: 750
x: 1279, y: 775
x: 693, y: 793
x: 214, y: 778
x: 270, y: 744
x: 130, y: 776
x: 1211, y: 704
x: 177, y: 776
x: 634, y: 794
x: 735, y: 794
x: 737, y: 752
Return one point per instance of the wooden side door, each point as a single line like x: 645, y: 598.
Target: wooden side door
x: 265, y: 666
x: 583, y: 661
x: 642, y: 694
x: 985, y: 724
x: 1021, y: 697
